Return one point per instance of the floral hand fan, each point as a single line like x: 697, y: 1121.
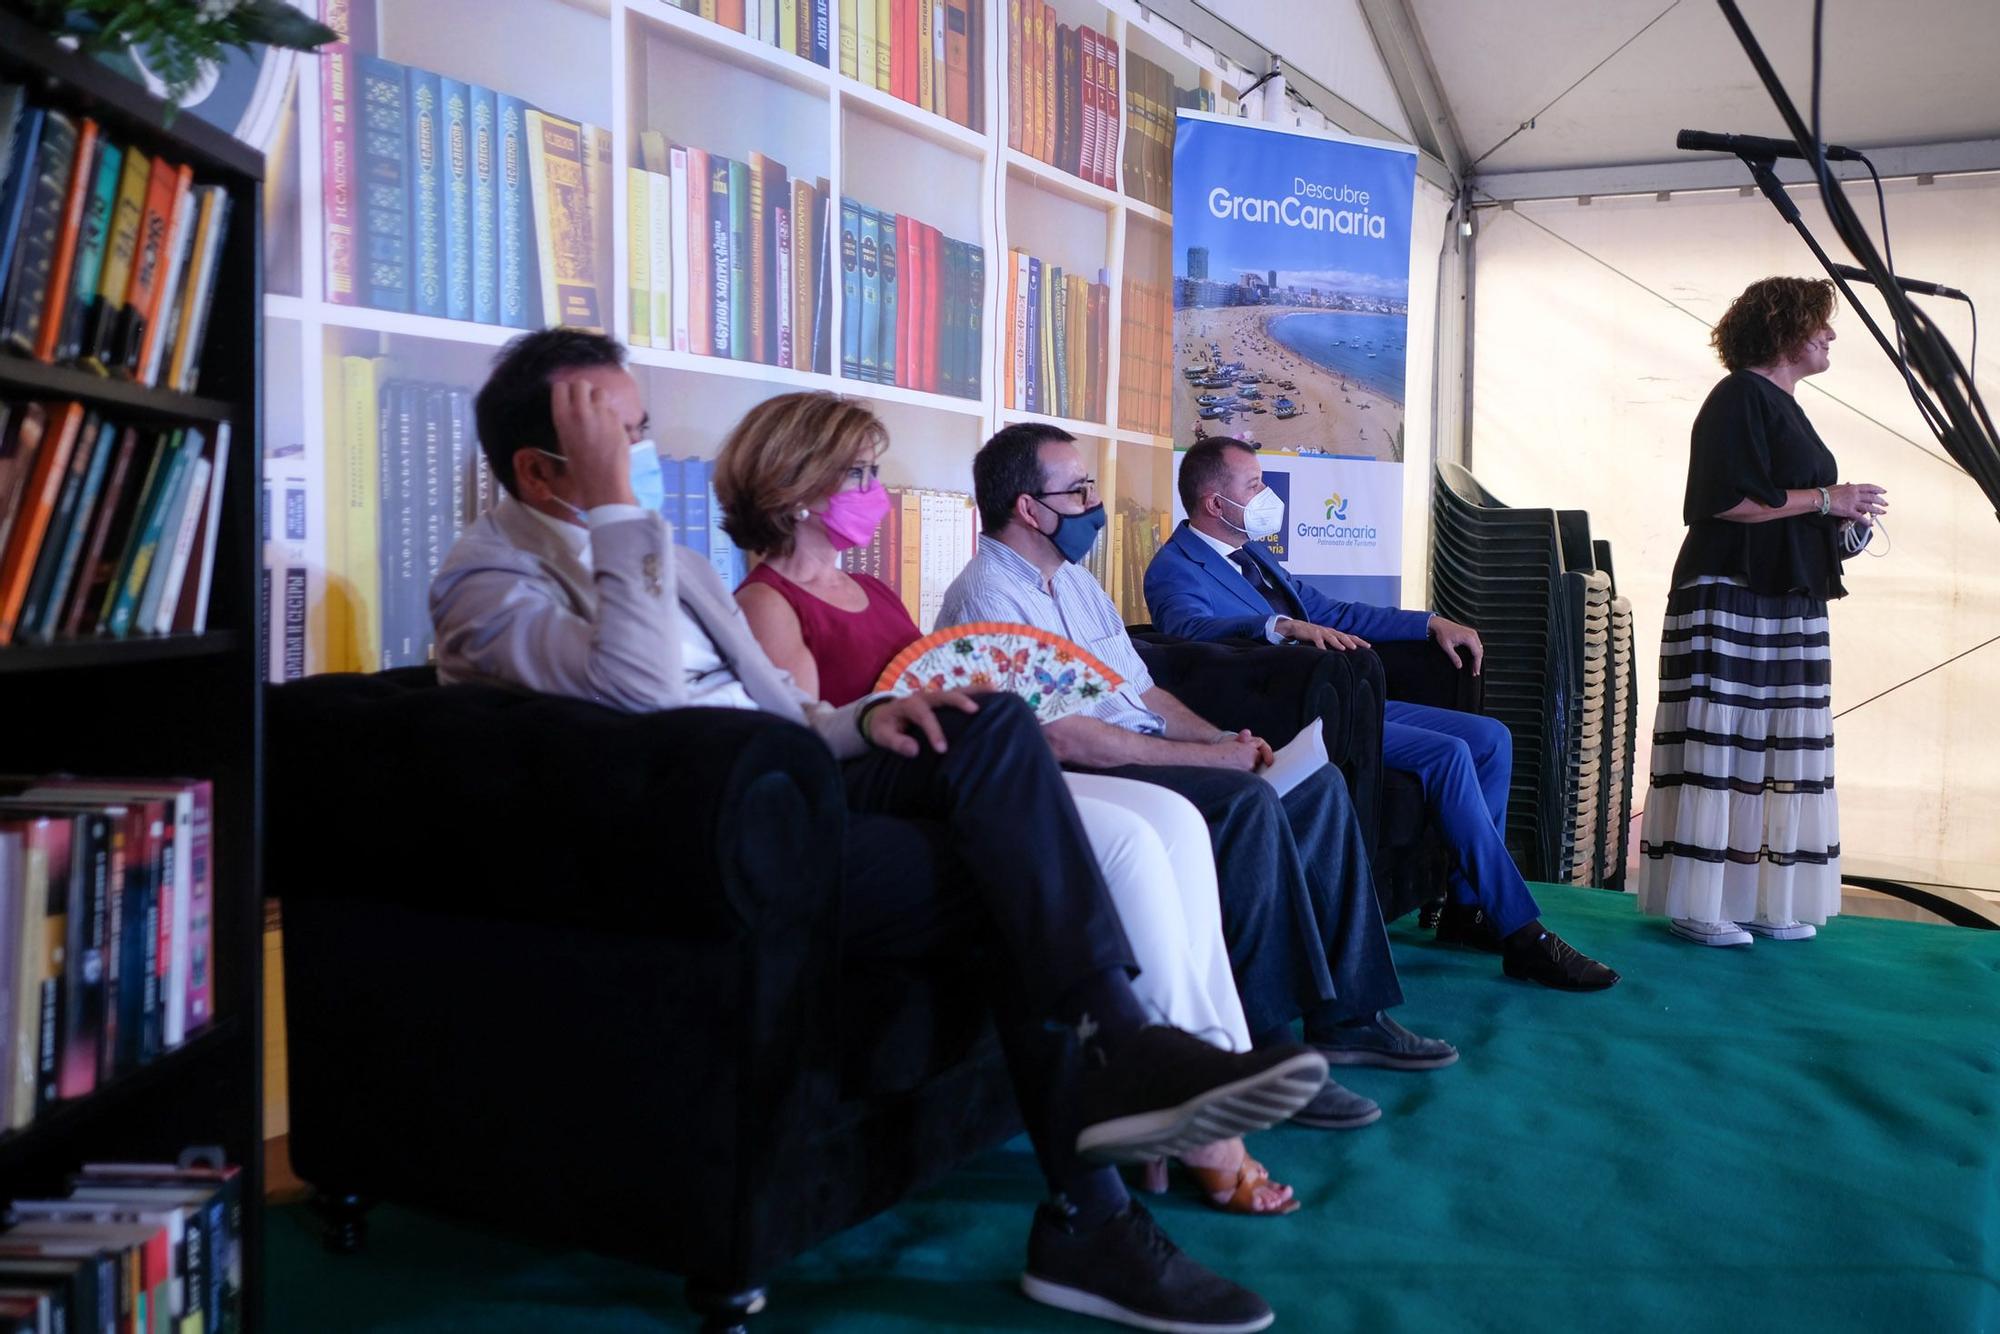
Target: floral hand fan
x: 1055, y: 676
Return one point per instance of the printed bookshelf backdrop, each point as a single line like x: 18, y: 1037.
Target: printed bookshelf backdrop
x: 1291, y: 310
x: 956, y: 210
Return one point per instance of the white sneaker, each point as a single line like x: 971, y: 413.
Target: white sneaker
x: 1782, y: 930
x: 1710, y: 933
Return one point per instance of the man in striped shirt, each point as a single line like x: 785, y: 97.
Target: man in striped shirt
x: 1297, y: 861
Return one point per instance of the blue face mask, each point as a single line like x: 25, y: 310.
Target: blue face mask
x: 649, y: 485
x: 1076, y: 534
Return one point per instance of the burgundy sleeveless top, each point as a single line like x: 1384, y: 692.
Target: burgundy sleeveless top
x: 850, y: 648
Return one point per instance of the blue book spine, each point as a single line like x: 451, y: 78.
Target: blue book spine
x: 723, y: 556
x: 20, y: 183
x: 850, y: 289
x: 1034, y: 335
x: 72, y: 548
x: 871, y: 295
x: 485, y: 208
x: 385, y: 184
x: 740, y: 291
x: 886, y: 264
x: 434, y: 477
x: 426, y: 193
x: 1059, y: 400
x: 457, y: 199
x: 520, y: 298
x: 822, y: 21
x: 673, y: 506
x: 694, y: 506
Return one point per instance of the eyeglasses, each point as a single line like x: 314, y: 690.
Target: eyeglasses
x: 864, y: 475
x: 1085, y: 491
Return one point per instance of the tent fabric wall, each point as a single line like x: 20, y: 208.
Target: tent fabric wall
x: 1590, y: 361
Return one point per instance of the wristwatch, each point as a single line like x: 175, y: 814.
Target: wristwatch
x: 1825, y: 501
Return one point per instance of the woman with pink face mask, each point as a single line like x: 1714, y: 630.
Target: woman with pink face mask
x: 799, y: 482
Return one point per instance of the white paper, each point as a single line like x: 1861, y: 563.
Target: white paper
x: 1297, y: 760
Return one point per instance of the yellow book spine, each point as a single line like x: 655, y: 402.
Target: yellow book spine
x: 788, y: 26
x: 910, y: 558
x: 885, y: 42
x: 639, y: 256
x: 926, y: 83
x: 116, y: 274
x: 864, y: 38
x: 850, y: 41
x: 328, y: 646
x: 362, y: 510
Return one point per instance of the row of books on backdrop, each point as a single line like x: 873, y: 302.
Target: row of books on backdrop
x: 1145, y: 358
x: 929, y: 53
x: 107, y: 528
x: 1059, y: 328
x: 446, y: 198
x: 1062, y: 93
x: 106, y: 932
x: 727, y: 258
x: 1150, y: 105
x: 696, y: 516
x: 919, y: 548
x: 107, y: 255
x: 911, y: 299
x: 796, y: 27
x: 403, y: 476
x: 1120, y: 558
x: 151, y: 1248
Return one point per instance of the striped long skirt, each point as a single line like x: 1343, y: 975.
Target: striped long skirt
x: 1742, y: 821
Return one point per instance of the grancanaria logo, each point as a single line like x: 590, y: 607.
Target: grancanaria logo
x: 1336, y: 508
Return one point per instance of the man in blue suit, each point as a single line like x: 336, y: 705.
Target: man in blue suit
x: 1210, y: 580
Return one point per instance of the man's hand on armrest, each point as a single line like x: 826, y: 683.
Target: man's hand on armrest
x: 1319, y: 636
x: 1089, y: 743
x: 1452, y: 637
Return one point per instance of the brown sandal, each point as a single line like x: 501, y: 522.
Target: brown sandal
x: 1241, y: 1182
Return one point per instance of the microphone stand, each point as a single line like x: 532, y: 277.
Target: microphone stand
x: 1761, y: 170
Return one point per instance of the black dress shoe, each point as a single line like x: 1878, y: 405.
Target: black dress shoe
x: 1167, y: 1092
x: 1553, y: 963
x: 1427, y: 916
x: 1127, y: 1270
x: 1467, y: 924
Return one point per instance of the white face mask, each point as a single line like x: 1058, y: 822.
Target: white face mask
x: 1262, y: 517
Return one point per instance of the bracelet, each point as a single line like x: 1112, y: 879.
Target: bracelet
x: 1825, y: 501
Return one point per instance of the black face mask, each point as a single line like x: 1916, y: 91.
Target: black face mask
x: 1076, y: 534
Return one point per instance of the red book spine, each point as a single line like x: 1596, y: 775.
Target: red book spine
x: 933, y: 304
x: 1108, y: 127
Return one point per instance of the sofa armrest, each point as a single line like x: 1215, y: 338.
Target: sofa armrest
x: 1272, y: 689
x: 488, y: 802
x: 1417, y: 672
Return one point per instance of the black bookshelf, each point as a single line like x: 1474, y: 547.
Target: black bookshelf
x: 169, y: 706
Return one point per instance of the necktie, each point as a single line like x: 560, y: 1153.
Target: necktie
x: 1255, y: 574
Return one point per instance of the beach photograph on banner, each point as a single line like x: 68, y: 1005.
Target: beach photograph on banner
x: 1291, y: 287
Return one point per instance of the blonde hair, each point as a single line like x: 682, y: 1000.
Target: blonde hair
x: 789, y: 453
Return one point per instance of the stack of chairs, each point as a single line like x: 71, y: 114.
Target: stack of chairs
x: 1541, y: 594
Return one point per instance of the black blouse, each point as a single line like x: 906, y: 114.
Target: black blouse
x: 1751, y: 440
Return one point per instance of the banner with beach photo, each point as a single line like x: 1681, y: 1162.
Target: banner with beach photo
x: 1291, y: 314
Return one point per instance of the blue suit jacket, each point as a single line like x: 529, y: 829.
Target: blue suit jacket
x: 1194, y: 593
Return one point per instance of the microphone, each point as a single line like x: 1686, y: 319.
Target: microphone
x: 1854, y: 275
x: 1754, y: 145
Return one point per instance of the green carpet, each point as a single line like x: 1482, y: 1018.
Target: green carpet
x: 1791, y: 1136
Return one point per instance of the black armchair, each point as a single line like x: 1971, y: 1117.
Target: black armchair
x: 1275, y: 690
x: 575, y: 972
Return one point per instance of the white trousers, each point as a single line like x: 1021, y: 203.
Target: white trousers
x: 1153, y: 849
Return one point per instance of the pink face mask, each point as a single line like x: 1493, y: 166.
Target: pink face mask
x: 852, y: 517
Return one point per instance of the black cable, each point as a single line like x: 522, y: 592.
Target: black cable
x: 1918, y: 677
x: 1529, y: 123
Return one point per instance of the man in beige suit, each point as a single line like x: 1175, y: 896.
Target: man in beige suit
x: 572, y: 586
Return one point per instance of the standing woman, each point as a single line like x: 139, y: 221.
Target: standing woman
x: 1742, y: 830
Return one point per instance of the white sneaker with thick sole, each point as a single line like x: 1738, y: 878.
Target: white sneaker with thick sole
x: 1782, y: 930
x: 1710, y: 933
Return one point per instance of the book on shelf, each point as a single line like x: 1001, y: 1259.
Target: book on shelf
x: 1151, y: 99
x: 106, y: 931
x: 928, y: 53
x: 731, y: 254
x: 146, y: 1246
x: 1145, y: 358
x: 285, y: 523
x: 95, y: 239
x: 911, y: 303
x: 1062, y: 92
x: 919, y: 548
x: 1135, y: 537
x: 799, y: 28
x: 452, y: 199
x: 107, y: 528
x: 695, y: 517
x: 404, y: 476
x: 1060, y: 324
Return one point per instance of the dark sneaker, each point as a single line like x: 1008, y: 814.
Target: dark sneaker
x: 1167, y: 1092
x: 1337, y: 1108
x: 1553, y: 963
x: 1467, y: 924
x: 1126, y: 1269
x: 1383, y: 1042
x: 1428, y: 915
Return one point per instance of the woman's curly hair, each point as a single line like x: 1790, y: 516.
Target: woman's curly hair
x: 1771, y: 320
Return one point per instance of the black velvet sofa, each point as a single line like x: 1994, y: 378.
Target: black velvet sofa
x: 574, y: 973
